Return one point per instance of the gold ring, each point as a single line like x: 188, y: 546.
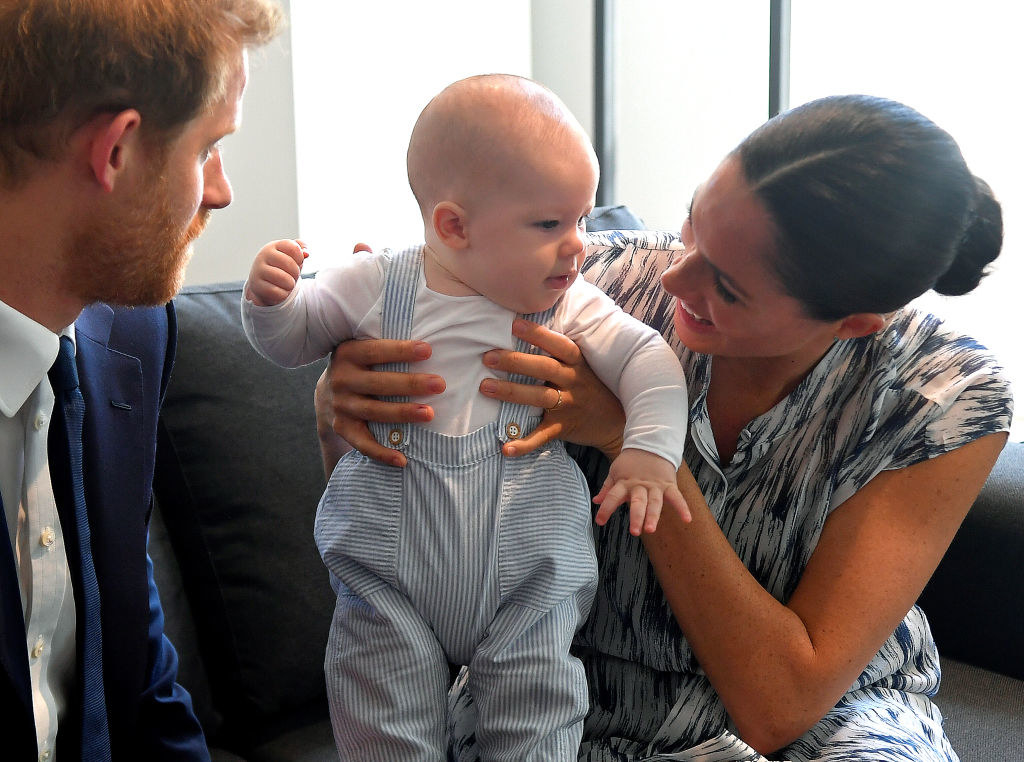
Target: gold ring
x: 558, y: 402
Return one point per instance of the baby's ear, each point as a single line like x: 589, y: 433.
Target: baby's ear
x: 449, y: 223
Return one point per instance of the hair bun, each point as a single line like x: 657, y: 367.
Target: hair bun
x: 980, y: 244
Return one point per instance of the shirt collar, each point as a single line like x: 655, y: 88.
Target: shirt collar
x: 28, y: 350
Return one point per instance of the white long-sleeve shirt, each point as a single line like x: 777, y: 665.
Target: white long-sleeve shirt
x: 27, y: 350
x: 345, y: 302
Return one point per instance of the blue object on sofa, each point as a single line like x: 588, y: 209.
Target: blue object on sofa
x: 248, y: 604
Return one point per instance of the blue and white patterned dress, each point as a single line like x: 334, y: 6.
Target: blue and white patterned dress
x: 911, y: 392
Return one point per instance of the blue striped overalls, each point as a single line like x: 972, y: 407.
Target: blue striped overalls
x: 464, y: 557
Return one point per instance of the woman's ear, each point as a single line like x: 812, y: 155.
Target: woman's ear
x: 111, y: 139
x: 860, y: 324
x: 449, y: 222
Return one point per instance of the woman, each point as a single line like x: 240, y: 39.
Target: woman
x: 837, y: 441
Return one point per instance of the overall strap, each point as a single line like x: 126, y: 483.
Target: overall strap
x: 400, y: 284
x: 515, y: 419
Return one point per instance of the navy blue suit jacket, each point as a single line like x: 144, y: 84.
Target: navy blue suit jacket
x: 124, y: 359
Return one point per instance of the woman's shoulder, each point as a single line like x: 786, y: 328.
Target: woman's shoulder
x: 925, y: 354
x: 938, y: 382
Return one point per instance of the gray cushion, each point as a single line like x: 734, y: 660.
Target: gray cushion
x: 314, y: 743
x: 238, y: 480
x: 983, y: 712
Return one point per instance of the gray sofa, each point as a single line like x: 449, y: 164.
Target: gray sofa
x: 248, y: 604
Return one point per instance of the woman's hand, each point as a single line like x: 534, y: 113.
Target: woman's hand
x: 346, y: 396
x: 579, y: 407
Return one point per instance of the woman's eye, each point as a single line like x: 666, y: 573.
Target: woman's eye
x: 686, y: 234
x: 727, y: 296
x: 581, y: 223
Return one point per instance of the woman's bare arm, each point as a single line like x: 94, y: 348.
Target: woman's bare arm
x: 779, y: 668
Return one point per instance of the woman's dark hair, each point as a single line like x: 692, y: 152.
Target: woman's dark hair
x: 873, y: 205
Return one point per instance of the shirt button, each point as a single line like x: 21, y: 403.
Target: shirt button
x: 40, y: 421
x: 44, y: 755
x: 37, y: 649
x: 47, y: 537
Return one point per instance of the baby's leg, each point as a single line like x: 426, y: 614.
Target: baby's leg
x: 387, y: 680
x: 530, y: 693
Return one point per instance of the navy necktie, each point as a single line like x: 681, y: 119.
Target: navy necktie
x: 95, y: 734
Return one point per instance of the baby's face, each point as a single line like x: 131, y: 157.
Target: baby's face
x: 526, y: 237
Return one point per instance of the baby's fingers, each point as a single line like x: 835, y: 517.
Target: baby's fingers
x: 611, y: 496
x: 674, y: 498
x: 638, y: 507
x: 653, y: 512
x: 294, y: 250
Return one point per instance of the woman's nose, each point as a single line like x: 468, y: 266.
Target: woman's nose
x: 681, y: 273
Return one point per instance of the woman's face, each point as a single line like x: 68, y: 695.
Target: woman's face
x: 728, y: 298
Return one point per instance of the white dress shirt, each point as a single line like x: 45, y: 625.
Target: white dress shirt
x: 27, y: 350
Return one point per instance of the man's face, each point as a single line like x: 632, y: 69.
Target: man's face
x: 137, y: 252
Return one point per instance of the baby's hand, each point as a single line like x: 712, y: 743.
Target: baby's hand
x: 275, y: 271
x: 647, y: 481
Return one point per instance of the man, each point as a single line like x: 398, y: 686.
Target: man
x: 111, y: 112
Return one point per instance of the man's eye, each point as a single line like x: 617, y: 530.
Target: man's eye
x: 207, y: 153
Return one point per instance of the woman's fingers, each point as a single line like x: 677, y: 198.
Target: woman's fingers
x: 536, y: 395
x: 555, y: 344
x: 355, y: 386
x: 352, y: 370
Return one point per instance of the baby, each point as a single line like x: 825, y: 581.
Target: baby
x: 464, y: 556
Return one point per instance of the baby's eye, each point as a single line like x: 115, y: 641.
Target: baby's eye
x: 581, y: 223
x: 548, y: 224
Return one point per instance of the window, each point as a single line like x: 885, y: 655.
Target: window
x: 692, y: 80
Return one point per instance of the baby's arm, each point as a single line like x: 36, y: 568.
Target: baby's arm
x: 647, y: 481
x: 293, y: 321
x: 644, y: 373
x: 274, y: 272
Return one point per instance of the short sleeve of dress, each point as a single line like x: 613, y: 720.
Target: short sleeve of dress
x: 928, y: 390
x: 966, y: 396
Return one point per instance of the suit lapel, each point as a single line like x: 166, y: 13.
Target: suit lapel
x: 118, y: 473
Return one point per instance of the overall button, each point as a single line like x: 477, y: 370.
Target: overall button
x: 513, y: 430
x: 37, y: 649
x: 395, y: 437
x: 47, y: 537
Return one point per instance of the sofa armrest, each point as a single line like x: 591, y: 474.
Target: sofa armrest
x: 973, y: 601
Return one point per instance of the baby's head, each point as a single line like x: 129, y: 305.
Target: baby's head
x: 503, y: 174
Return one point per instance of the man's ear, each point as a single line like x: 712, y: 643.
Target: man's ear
x: 449, y: 222
x: 113, y: 140
x: 860, y: 324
